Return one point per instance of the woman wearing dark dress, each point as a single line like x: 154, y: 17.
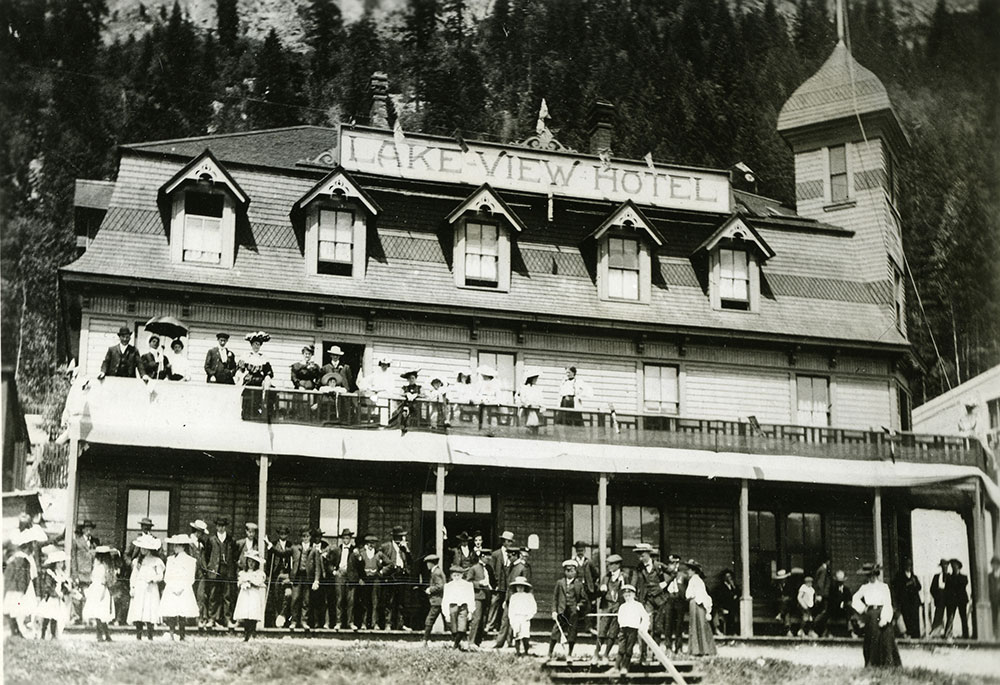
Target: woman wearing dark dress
x: 256, y: 368
x: 874, y: 602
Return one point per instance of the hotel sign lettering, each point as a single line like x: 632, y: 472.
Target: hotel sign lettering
x: 537, y: 171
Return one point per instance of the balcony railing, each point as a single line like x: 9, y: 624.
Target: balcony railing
x: 608, y: 427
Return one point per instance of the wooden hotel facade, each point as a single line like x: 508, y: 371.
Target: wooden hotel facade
x: 747, y: 362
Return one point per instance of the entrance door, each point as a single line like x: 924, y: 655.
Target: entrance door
x: 455, y: 523
x: 353, y: 356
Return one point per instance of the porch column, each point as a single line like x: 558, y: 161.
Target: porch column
x: 602, y: 520
x: 265, y: 463
x: 746, y: 601
x: 439, y: 514
x: 71, y: 488
x: 983, y: 618
x: 877, y: 524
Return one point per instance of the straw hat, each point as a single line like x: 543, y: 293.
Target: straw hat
x: 55, y: 557
x: 628, y: 587
x: 179, y: 539
x: 782, y: 574
x: 486, y: 370
x: 507, y: 535
x: 147, y: 542
x: 615, y: 559
x: 253, y: 554
x: 105, y: 549
x: 522, y: 581
x: 199, y: 525
x: 410, y: 372
x: 335, y: 350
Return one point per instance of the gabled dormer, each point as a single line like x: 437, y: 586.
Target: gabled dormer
x: 735, y: 253
x: 483, y: 226
x: 335, y: 214
x: 203, y: 202
x: 625, y: 240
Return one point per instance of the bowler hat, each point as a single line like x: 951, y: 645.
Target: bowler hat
x: 87, y: 523
x: 347, y: 533
x: 124, y: 330
x: 462, y: 537
x: 580, y: 544
x: 222, y: 521
x: 145, y: 521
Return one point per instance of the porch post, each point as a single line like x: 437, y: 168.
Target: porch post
x: 602, y: 520
x: 265, y: 463
x: 983, y: 616
x: 746, y: 601
x: 439, y: 514
x: 877, y: 524
x: 71, y: 487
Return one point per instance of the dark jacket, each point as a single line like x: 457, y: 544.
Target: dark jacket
x: 307, y: 566
x: 840, y: 599
x: 500, y: 570
x: 647, y: 584
x: 279, y: 559
x: 435, y: 589
x: 223, y: 370
x: 390, y: 568
x: 221, y: 558
x: 569, y: 598
x: 460, y: 558
x: 475, y: 575
x: 305, y: 376
x: 519, y: 568
x: 117, y: 364
x: 244, y: 545
x: 906, y: 590
x: 938, y: 592
x: 355, y: 569
x: 611, y: 591
x: 588, y: 575
x: 148, y: 366
x: 956, y: 592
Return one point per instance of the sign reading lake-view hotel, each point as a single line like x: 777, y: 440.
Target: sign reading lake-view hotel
x: 427, y: 158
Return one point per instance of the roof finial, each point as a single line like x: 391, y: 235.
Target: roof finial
x: 841, y: 21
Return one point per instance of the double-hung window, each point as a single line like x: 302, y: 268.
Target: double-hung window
x: 734, y: 279
x: 151, y: 504
x: 660, y: 389
x: 336, y: 241
x: 482, y: 254
x: 203, y: 227
x: 838, y: 173
x: 623, y: 268
x: 813, y: 400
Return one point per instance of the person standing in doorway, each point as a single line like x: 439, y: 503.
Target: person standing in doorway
x: 907, y: 591
x: 938, y: 583
x: 956, y: 598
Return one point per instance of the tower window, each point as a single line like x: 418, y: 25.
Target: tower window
x: 838, y: 173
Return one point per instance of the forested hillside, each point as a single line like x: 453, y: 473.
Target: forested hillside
x: 694, y: 81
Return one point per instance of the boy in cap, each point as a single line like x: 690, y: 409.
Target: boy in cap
x: 610, y: 595
x: 569, y: 602
x: 371, y: 562
x: 434, y: 592
x: 459, y: 598
x: 674, y: 610
x: 632, y: 617
x: 807, y: 601
x: 121, y: 359
x: 394, y: 572
x: 220, y: 362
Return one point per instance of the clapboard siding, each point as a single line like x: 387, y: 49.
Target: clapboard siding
x: 610, y: 382
x: 432, y: 360
x: 734, y: 394
x: 862, y: 404
x: 705, y: 533
x: 282, y: 350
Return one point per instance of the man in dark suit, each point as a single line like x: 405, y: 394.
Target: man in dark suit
x: 650, y: 585
x: 479, y: 575
x: 279, y: 564
x: 121, y: 359
x: 371, y: 562
x: 220, y: 362
x: 246, y: 544
x: 335, y: 374
x: 154, y: 364
x: 938, y: 583
x: 463, y: 555
x: 611, y: 599
x: 393, y: 579
x: 588, y: 574
x: 956, y: 598
x: 906, y: 589
x: 435, y: 593
x: 220, y: 572
x: 727, y: 604
x: 500, y: 563
x: 343, y: 565
x: 306, y: 573
x: 569, y: 602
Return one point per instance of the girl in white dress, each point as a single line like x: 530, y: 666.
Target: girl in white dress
x: 521, y: 608
x: 99, y: 605
x: 250, y: 604
x: 144, y: 586
x: 178, y: 603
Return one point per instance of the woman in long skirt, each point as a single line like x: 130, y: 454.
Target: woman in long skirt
x: 700, y: 639
x: 178, y: 603
x: 874, y: 602
x: 250, y: 604
x: 99, y: 604
x: 19, y: 578
x: 147, y: 573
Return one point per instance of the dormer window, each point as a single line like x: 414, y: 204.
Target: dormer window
x: 625, y: 242
x: 483, y: 225
x: 334, y: 219
x: 735, y: 253
x: 203, y: 200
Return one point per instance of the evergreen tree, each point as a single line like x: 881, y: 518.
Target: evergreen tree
x: 227, y: 23
x: 276, y: 93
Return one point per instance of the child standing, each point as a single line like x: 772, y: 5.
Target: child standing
x: 19, y: 578
x: 807, y: 600
x: 144, y: 586
x: 250, y: 604
x: 632, y: 617
x: 521, y: 608
x: 568, y: 603
x: 54, y: 587
x: 99, y: 605
x: 179, y: 602
x: 460, y: 599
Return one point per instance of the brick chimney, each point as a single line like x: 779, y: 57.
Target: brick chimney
x: 600, y: 119
x: 379, y: 89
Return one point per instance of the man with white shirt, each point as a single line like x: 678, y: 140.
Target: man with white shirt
x: 500, y: 562
x: 121, y: 359
x: 343, y: 563
x: 154, y: 364
x: 610, y: 597
x: 370, y: 562
x: 394, y: 576
x: 220, y: 362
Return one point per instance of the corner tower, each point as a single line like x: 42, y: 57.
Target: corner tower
x: 847, y: 141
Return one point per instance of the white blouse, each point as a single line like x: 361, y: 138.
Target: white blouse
x: 697, y: 591
x: 873, y: 594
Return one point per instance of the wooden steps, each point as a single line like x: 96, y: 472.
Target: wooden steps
x: 647, y: 672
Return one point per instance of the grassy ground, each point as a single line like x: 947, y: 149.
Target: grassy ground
x: 229, y: 661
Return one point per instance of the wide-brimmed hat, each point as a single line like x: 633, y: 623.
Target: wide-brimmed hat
x: 693, y: 565
x: 105, y: 549
x: 309, y: 348
x: 257, y: 336
x: 463, y: 537
x: 252, y: 554
x: 531, y: 373
x: 520, y: 580
x: 347, y: 533
x: 615, y: 559
x: 869, y: 568
x: 628, y: 587
x: 124, y: 330
x: 179, y: 539
x: 398, y: 531
x: 486, y: 370
x: 55, y: 557
x: 782, y: 574
x: 146, y: 521
x: 147, y: 542
x: 335, y: 350
x: 570, y: 562
x: 410, y: 372
x: 432, y: 558
x: 384, y: 359
x: 797, y: 571
x: 455, y: 568
x: 507, y: 535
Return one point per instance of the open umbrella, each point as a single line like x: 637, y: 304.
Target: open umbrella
x: 167, y: 327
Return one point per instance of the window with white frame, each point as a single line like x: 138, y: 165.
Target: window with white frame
x: 151, y: 504
x: 640, y: 524
x: 482, y: 253
x: 462, y: 504
x: 839, y: 190
x: 661, y: 393
x: 336, y: 241
x: 202, y: 241
x: 734, y: 279
x: 503, y: 362
x: 335, y: 514
x: 586, y: 524
x: 623, y: 268
x: 812, y: 400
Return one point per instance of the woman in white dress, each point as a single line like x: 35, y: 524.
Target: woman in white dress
x: 178, y: 603
x: 144, y: 586
x: 250, y: 603
x: 54, y: 587
x: 529, y: 398
x: 180, y: 369
x: 99, y: 605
